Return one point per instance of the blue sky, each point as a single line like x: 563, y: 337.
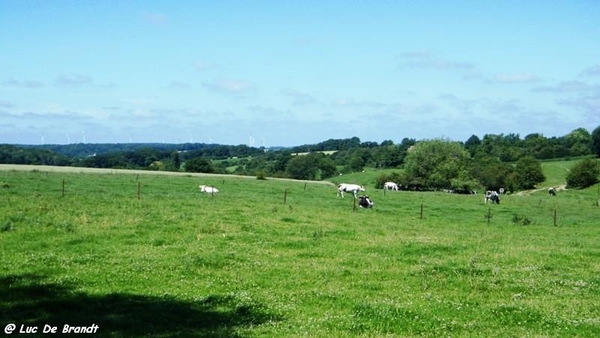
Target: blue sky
x: 295, y: 72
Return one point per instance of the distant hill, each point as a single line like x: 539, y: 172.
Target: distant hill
x: 82, y: 150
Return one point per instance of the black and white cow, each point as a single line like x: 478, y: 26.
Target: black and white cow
x: 365, y: 202
x: 491, y: 196
x: 551, y: 191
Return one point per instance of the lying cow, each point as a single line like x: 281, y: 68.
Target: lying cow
x: 551, y: 191
x: 208, y: 190
x: 353, y: 188
x: 390, y: 186
x: 365, y: 202
x: 491, y: 196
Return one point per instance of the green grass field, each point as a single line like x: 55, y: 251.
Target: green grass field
x: 177, y: 263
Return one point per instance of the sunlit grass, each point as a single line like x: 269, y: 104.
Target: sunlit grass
x: 245, y: 263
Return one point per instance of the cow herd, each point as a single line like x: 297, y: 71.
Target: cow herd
x: 364, y: 201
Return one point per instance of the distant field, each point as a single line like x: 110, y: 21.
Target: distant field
x: 283, y: 258
x: 82, y: 170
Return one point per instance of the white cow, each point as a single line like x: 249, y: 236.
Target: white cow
x: 353, y: 188
x: 208, y: 190
x: 390, y: 186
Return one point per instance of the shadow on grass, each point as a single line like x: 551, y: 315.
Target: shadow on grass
x: 30, y: 300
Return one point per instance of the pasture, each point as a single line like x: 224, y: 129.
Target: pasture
x: 281, y: 258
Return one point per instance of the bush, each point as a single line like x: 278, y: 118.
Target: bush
x: 260, y: 175
x: 583, y: 174
x: 520, y: 220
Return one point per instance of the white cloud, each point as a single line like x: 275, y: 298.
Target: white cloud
x: 6, y: 104
x: 231, y: 87
x: 590, y: 104
x: 178, y: 85
x: 591, y: 71
x: 203, y: 66
x: 426, y: 59
x: 344, y: 102
x: 73, y: 80
x: 31, y: 84
x: 516, y: 78
x: 564, y: 87
x: 155, y: 18
x: 140, y: 101
x: 299, y: 98
x: 463, y: 105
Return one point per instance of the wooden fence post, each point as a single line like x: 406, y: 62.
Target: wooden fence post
x: 554, y: 216
x: 285, y: 196
x: 421, y: 210
x: 489, y: 216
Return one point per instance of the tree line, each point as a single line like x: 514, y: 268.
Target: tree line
x: 491, y: 161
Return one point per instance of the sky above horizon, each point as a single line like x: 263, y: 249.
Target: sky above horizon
x: 285, y: 73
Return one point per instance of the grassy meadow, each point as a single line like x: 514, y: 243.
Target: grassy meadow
x: 276, y: 258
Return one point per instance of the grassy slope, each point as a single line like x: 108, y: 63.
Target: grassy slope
x: 177, y: 263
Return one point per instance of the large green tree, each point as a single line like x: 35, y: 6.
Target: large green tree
x: 199, y: 165
x: 528, y: 172
x: 302, y: 167
x: 439, y: 164
x: 313, y: 166
x: 493, y: 173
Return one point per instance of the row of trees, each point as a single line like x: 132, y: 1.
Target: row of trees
x: 509, y: 148
x: 213, y: 151
x: 445, y: 165
x: 493, y: 161
x: 10, y: 154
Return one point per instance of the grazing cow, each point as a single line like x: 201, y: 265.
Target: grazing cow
x: 551, y: 191
x: 208, y: 190
x: 390, y: 186
x: 491, y: 196
x: 353, y: 188
x: 365, y: 202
